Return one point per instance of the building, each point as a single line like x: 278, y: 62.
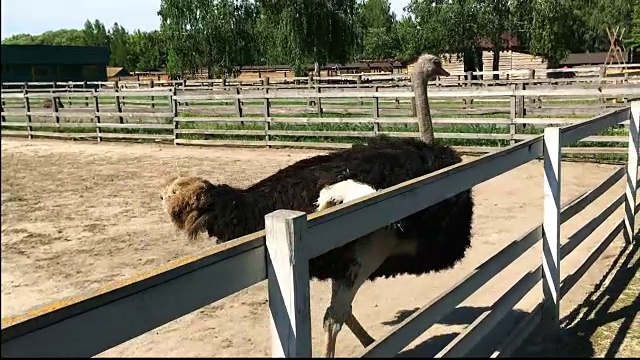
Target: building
x: 117, y: 73
x: 45, y: 63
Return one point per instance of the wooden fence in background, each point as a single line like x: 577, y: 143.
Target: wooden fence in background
x: 612, y: 74
x: 473, y: 120
x: 88, y: 324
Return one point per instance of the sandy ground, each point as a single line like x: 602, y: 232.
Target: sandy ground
x: 76, y: 215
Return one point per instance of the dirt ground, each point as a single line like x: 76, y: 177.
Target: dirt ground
x: 76, y: 215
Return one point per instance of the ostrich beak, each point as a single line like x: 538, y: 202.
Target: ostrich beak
x: 442, y: 72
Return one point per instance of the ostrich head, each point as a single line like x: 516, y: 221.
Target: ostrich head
x: 426, y: 68
x: 185, y: 200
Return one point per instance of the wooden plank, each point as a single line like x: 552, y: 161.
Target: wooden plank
x: 63, y: 135
x: 288, y: 284
x: 573, y: 133
x: 593, y: 150
x: 134, y: 126
x: 433, y: 94
x: 632, y: 172
x: 316, y: 120
x: 346, y: 222
x: 135, y: 136
x: 308, y: 144
x: 572, y: 279
x: 218, y: 142
x: 590, y: 196
x: 221, y: 132
x: 460, y: 135
x: 519, y: 334
x: 88, y: 324
x: 467, y: 339
x: 594, y: 138
x: 577, y: 237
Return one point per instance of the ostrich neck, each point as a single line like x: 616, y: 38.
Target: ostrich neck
x: 425, y: 126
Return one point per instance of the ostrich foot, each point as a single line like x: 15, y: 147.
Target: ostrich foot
x: 334, y: 317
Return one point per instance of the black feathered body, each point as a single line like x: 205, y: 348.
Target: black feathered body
x: 442, y: 231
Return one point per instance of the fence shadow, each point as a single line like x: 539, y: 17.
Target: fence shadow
x: 579, y: 335
x: 463, y: 315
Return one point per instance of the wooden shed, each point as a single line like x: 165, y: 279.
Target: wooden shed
x: 45, y: 63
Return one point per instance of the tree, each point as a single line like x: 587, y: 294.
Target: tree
x: 95, y: 34
x: 550, y: 30
x: 119, y: 47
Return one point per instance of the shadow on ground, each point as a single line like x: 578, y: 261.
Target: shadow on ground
x: 589, y: 330
x: 463, y: 315
x: 584, y: 332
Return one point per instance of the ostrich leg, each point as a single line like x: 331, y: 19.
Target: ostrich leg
x: 356, y: 328
x: 370, y: 251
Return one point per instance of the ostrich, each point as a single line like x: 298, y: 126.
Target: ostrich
x: 430, y: 240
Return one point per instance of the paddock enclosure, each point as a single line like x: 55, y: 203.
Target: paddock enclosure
x: 81, y: 216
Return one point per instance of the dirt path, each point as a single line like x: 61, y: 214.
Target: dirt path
x: 76, y: 215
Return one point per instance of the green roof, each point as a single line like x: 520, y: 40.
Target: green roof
x: 53, y: 55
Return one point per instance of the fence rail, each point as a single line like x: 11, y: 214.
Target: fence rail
x: 473, y: 120
x: 88, y: 324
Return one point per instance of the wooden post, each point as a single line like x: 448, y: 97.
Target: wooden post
x: 4, y: 118
x: 54, y: 107
x: 116, y: 87
x: 86, y: 98
x: 318, y: 101
x: 358, y: 83
x: 96, y: 108
x: 532, y: 78
x: 551, y: 229
x: 309, y: 85
x: 153, y: 98
x: 27, y: 108
x: 376, y: 112
x: 513, y: 111
x: 174, y: 110
x: 632, y: 172
x: 266, y: 110
x: 239, y: 104
x: 602, y: 72
x: 469, y: 84
x: 288, y: 284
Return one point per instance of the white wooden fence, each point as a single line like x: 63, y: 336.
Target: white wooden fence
x: 91, y: 323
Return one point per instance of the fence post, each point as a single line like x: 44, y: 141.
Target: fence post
x: 632, y: 172
x: 288, y: 284
x: 376, y: 111
x: 266, y: 110
x: 27, y: 108
x: 513, y: 114
x: 551, y: 229
x: 174, y: 111
x: 96, y: 109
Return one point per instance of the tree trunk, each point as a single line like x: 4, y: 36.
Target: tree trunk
x: 496, y: 62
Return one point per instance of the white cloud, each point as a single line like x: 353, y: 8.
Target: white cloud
x: 38, y: 16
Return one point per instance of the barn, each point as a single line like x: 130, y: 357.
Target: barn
x: 45, y: 63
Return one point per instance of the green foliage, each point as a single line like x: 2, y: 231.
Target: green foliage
x: 219, y: 35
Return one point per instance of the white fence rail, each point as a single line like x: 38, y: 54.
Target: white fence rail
x: 91, y: 323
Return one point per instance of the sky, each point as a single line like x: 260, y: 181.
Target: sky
x: 38, y: 16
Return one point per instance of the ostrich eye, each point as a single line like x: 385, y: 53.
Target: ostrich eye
x: 437, y: 62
